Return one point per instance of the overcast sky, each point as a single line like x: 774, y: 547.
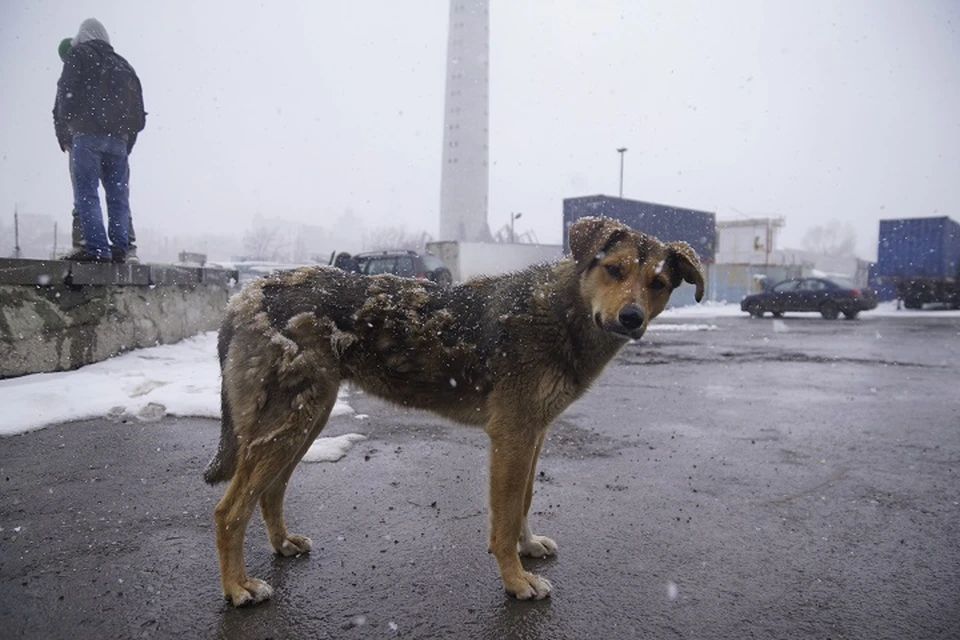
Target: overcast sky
x: 814, y: 110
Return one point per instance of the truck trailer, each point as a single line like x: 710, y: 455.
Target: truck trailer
x: 920, y: 259
x: 669, y: 223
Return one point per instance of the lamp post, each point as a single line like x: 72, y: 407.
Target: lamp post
x: 513, y: 216
x: 621, y: 151
x: 16, y: 231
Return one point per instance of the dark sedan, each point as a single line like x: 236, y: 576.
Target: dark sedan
x: 827, y: 297
x: 408, y: 264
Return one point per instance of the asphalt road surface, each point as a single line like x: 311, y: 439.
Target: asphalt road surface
x: 791, y: 478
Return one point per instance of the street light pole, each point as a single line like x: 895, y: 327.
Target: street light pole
x: 16, y: 231
x: 621, y: 151
x: 513, y: 216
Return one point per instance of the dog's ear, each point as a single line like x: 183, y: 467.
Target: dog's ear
x: 590, y: 236
x: 687, y: 265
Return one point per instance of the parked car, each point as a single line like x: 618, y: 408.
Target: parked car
x: 409, y: 264
x: 829, y: 297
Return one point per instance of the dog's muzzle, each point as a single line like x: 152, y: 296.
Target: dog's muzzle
x: 631, y: 317
x: 629, y: 322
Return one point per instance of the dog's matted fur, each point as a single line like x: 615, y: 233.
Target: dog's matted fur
x: 509, y: 352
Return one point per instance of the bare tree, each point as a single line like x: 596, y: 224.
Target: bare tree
x: 263, y: 243
x: 395, y: 238
x: 832, y: 239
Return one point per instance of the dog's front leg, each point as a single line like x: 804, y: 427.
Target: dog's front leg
x: 532, y: 545
x: 512, y: 457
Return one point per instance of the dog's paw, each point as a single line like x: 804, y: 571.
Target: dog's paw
x: 537, y: 547
x: 294, y: 545
x: 528, y: 586
x: 251, y: 591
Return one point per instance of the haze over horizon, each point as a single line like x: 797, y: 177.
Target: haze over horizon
x: 814, y: 111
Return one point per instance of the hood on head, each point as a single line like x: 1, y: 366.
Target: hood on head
x: 91, y: 29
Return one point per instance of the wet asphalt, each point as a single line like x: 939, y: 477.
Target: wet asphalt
x: 792, y: 478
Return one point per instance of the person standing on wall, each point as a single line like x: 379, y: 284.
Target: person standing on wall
x: 97, y: 116
x: 76, y: 228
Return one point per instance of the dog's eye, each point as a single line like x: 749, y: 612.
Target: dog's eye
x: 658, y: 284
x: 614, y: 270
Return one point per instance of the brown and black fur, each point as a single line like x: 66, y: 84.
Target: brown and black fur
x: 508, y: 353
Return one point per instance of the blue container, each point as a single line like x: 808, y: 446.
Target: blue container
x: 885, y: 288
x: 698, y: 228
x: 919, y: 248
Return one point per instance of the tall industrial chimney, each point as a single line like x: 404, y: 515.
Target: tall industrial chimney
x: 464, y: 176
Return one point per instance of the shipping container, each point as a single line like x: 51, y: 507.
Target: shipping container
x: 885, y: 288
x: 919, y: 247
x: 668, y: 223
x: 920, y: 258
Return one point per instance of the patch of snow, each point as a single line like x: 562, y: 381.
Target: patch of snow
x: 704, y: 310
x: 890, y: 309
x: 682, y: 327
x: 181, y: 379
x: 331, y: 449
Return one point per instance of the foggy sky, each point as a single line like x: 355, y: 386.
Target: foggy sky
x: 815, y: 110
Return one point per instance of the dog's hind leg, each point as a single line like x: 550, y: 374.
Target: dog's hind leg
x: 512, y: 457
x: 231, y: 517
x: 271, y: 500
x: 532, y: 545
x: 264, y: 465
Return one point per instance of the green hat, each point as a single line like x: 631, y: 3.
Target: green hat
x: 64, y: 48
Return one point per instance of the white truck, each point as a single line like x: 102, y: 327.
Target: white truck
x: 469, y: 259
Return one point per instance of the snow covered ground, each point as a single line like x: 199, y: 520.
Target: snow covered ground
x: 183, y: 379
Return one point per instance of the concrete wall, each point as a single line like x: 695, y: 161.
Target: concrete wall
x: 57, y: 316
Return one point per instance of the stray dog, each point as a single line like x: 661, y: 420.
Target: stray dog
x: 508, y: 352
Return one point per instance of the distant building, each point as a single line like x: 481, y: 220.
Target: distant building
x: 755, y: 242
x: 464, y: 175
x: 747, y: 241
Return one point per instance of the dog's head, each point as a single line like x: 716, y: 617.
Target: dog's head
x: 626, y: 277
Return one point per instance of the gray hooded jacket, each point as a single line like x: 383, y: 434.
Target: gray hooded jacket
x: 91, y: 29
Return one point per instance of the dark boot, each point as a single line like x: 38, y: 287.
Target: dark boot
x: 132, y: 238
x: 82, y: 255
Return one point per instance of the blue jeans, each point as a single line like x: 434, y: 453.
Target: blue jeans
x: 93, y: 157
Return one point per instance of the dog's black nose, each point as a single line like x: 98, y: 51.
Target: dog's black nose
x: 631, y: 317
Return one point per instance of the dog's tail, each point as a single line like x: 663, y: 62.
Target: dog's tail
x: 224, y: 462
